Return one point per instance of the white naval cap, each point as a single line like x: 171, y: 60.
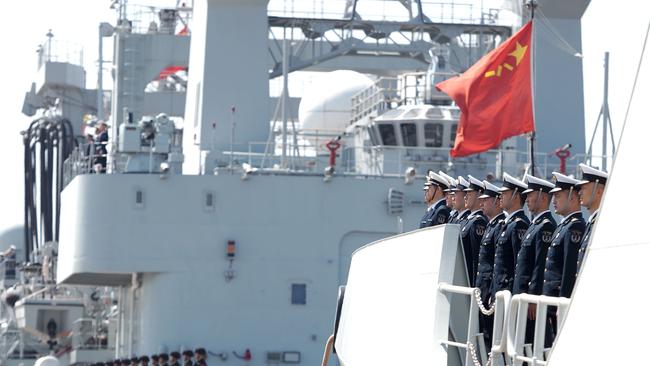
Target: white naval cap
x: 563, y: 182
x: 510, y: 182
x: 537, y: 184
x: 490, y: 190
x: 452, y: 182
x: 435, y: 179
x: 462, y: 184
x: 590, y: 174
x: 474, y: 185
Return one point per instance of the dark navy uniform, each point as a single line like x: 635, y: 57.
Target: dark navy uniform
x: 486, y: 256
x: 471, y: 234
x: 585, y: 240
x: 531, y: 259
x: 460, y: 217
x: 452, y: 216
x: 562, y: 257
x: 437, y: 214
x: 483, y: 279
x: 506, y: 250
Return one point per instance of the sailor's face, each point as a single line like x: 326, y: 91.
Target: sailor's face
x: 586, y: 191
x: 560, y: 200
x: 459, y: 200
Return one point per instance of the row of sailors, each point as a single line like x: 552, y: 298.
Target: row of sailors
x: 187, y: 358
x: 506, y: 250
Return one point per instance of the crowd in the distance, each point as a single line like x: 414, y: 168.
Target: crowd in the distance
x: 186, y: 358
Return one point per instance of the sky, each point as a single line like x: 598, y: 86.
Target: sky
x: 614, y: 26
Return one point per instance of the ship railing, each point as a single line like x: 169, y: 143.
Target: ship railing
x: 517, y: 322
x: 144, y: 19
x: 59, y: 51
x: 475, y: 347
x: 435, y: 11
x: 87, y: 336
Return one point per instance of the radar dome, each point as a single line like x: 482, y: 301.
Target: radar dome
x: 47, y: 361
x: 325, y: 106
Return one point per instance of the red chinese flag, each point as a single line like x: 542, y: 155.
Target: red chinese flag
x: 494, y: 96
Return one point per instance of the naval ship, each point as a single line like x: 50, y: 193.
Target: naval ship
x: 216, y: 217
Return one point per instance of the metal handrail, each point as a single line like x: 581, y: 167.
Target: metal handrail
x: 517, y: 320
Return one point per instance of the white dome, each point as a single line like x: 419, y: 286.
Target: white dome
x: 325, y: 106
x: 47, y: 361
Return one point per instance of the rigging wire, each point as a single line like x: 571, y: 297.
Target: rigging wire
x: 563, y: 44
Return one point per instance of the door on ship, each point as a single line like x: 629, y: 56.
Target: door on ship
x: 352, y: 241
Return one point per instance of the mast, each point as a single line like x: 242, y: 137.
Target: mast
x: 531, y: 5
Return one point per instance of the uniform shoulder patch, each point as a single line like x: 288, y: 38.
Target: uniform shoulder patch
x: 441, y: 219
x: 575, y: 236
x: 480, y: 229
x: 521, y: 233
x: 546, y: 236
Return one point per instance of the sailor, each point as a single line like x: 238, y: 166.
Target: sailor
x: 164, y: 358
x: 135, y: 361
x: 438, y: 212
x: 187, y: 358
x: 173, y: 358
x: 154, y: 360
x: 429, y: 200
x: 562, y: 255
x: 592, y: 189
x: 144, y: 361
x: 531, y: 259
x: 449, y: 194
x: 473, y: 227
x: 125, y: 362
x: 492, y: 209
x: 514, y: 229
x: 458, y: 200
x: 201, y: 356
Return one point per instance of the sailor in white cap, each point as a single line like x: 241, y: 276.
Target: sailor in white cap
x: 494, y: 213
x: 592, y: 189
x: 437, y: 212
x: 473, y: 227
x: 458, y: 201
x: 514, y: 228
x: 562, y: 255
x: 531, y: 259
x: 449, y: 193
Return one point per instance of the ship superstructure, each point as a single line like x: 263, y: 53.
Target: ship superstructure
x: 217, y: 230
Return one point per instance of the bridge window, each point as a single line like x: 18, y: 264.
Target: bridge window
x: 387, y: 133
x: 452, y: 140
x: 409, y: 134
x: 433, y: 134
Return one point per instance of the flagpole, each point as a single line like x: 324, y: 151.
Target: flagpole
x: 532, y: 4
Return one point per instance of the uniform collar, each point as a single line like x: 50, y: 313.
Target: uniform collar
x: 541, y: 214
x: 497, y: 218
x: 436, y: 204
x: 510, y: 216
x: 569, y: 216
x: 461, y: 213
x: 592, y: 217
x: 477, y: 212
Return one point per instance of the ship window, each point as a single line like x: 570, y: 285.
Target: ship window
x: 454, y: 127
x: 433, y: 134
x: 139, y: 198
x: 387, y: 133
x: 434, y: 113
x: 413, y: 113
x: 298, y: 294
x: 409, y: 134
x: 208, y: 203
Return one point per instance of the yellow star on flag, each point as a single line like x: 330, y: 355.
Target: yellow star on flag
x: 519, y: 52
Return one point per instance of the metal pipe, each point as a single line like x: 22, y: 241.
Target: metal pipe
x: 100, y: 91
x: 605, y: 111
x: 285, y: 97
